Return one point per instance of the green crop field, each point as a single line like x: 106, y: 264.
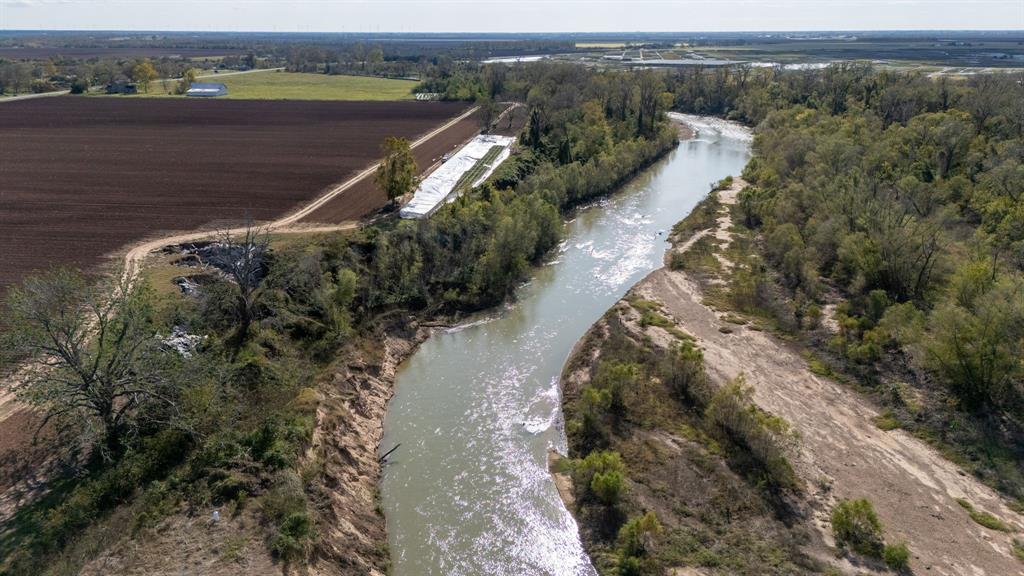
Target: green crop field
x: 279, y: 85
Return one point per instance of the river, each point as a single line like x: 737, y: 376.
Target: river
x: 476, y: 408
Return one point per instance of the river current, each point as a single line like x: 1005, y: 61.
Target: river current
x: 477, y: 406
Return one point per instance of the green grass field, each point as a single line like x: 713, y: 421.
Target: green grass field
x: 276, y: 85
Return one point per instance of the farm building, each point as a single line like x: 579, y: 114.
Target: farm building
x: 207, y: 90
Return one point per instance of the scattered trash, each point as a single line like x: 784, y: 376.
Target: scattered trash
x: 182, y: 342
x: 187, y: 286
x: 213, y: 253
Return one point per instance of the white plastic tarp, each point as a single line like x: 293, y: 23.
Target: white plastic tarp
x: 436, y: 188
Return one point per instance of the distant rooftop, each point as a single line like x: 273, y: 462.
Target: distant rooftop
x: 207, y: 89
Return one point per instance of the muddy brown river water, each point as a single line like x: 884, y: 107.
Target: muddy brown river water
x: 477, y: 406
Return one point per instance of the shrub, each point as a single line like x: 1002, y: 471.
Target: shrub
x: 228, y: 486
x: 631, y: 566
x: 285, y: 506
x: 886, y: 421
x: 608, y: 487
x: 79, y: 86
x: 1018, y: 549
x: 756, y: 440
x: 636, y: 536
x: 293, y: 535
x: 896, y: 556
x: 855, y: 524
x: 983, y: 518
x: 684, y: 369
x: 602, y: 473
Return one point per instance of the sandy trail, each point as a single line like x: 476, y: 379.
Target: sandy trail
x: 842, y: 454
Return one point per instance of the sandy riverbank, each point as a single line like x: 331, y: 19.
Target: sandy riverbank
x: 841, y: 452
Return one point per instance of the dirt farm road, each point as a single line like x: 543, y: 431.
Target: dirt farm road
x: 842, y: 453
x: 135, y: 256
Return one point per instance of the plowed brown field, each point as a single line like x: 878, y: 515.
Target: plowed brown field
x: 82, y: 177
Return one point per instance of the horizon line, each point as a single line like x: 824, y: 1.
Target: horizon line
x: 517, y: 33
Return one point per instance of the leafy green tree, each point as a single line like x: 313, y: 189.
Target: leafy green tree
x: 396, y: 175
x: 934, y: 145
x: 79, y: 86
x: 594, y: 404
x: 397, y: 269
x: 976, y: 348
x: 758, y: 441
x: 143, y: 73
x: 593, y: 135
x: 375, y: 57
x: 786, y: 249
x: 650, y: 88
x: 15, y: 77
x: 684, y: 369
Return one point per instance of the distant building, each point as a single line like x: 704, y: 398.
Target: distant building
x: 207, y: 90
x: 122, y: 88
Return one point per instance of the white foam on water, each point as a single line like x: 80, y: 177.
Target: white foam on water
x: 471, y: 324
x: 708, y: 126
x: 543, y: 409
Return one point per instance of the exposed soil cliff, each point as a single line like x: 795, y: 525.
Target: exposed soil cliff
x: 345, y: 444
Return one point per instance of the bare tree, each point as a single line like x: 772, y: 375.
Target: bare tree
x: 243, y: 258
x: 488, y: 112
x: 93, y: 354
x: 649, y: 87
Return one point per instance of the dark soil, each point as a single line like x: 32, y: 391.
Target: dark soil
x: 81, y: 177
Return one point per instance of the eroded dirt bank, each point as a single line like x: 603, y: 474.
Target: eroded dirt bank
x: 840, y: 452
x: 341, y: 465
x: 349, y: 431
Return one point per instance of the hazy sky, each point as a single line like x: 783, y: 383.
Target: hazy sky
x: 508, y: 16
